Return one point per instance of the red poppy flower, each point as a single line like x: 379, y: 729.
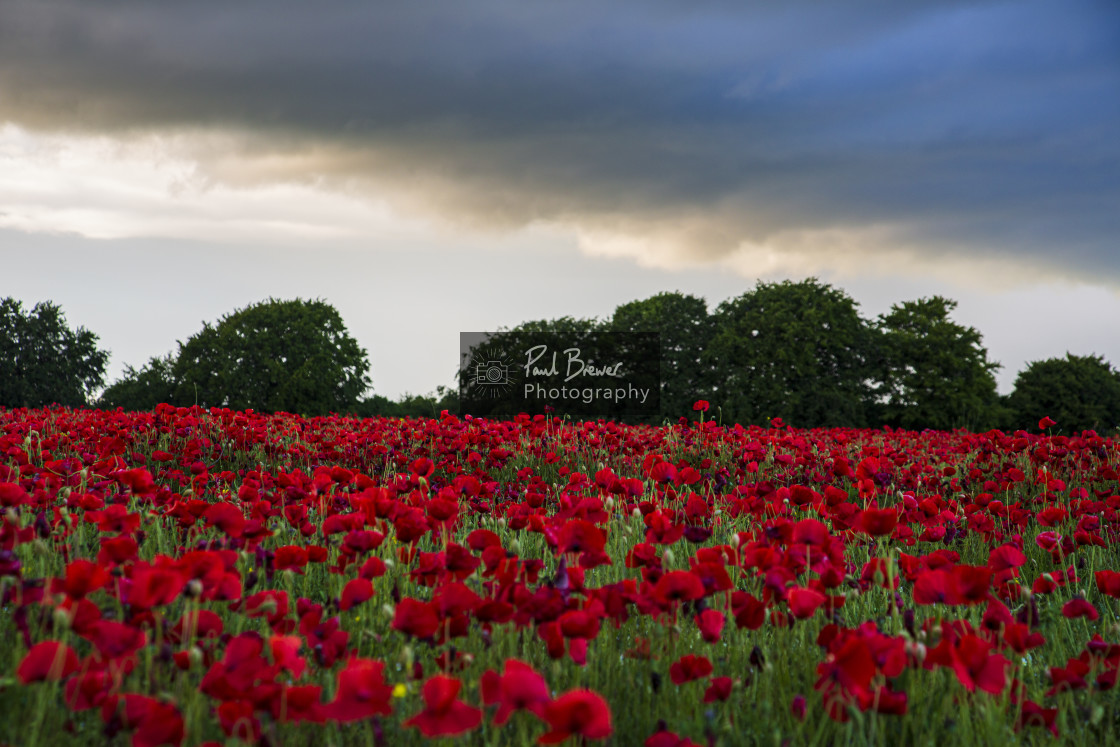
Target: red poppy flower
x: 139, y: 481
x: 422, y: 467
x: 663, y: 472
x: 271, y: 604
x: 932, y: 587
x: 444, y: 714
x: 241, y: 672
x: 1045, y: 423
x: 1075, y: 608
x: 355, y: 592
x: 665, y: 738
x: 361, y: 541
x: 578, y: 712
x: 372, y: 568
x: 154, y: 586
x: 89, y: 690
x: 719, y: 689
x: 969, y: 584
x: 154, y: 723
x: 1020, y: 639
x: 578, y: 535
x: 710, y: 623
x: 701, y: 405
x: 677, y: 586
x: 227, y: 517
x: 804, y: 603
x: 1005, y: 557
x: 1035, y: 715
x: 84, y: 577
x: 1108, y: 582
x: 12, y: 495
x: 975, y: 666
x: 518, y: 687
x: 1052, y: 516
x: 285, y: 653
x: 877, y: 522
x: 114, y: 640
x: 1070, y: 677
x: 49, y: 660
x: 750, y: 612
x: 298, y: 703
x: 362, y: 692
x: 797, y: 707
x: 688, y: 668
x: 290, y: 558
x: 238, y: 721
x: 845, y: 677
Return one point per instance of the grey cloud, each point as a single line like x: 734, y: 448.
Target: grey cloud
x: 967, y: 127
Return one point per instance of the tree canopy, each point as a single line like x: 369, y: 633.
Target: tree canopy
x: 43, y: 360
x: 795, y: 350
x: 798, y: 351
x: 291, y: 356
x: 1077, y: 392
x: 143, y: 388
x: 685, y: 330
x: 935, y: 373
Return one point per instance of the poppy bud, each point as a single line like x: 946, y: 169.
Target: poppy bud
x: 62, y: 618
x: 757, y: 659
x: 193, y: 589
x: 195, y: 655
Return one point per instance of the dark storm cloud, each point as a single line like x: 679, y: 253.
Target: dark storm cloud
x: 962, y: 126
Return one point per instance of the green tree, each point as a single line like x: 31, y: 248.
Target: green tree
x: 43, y: 361
x: 292, y: 356
x: 1078, y: 392
x: 799, y: 351
x: 935, y: 373
x: 529, y: 352
x: 685, y: 330
x: 409, y: 405
x: 510, y: 347
x: 143, y: 388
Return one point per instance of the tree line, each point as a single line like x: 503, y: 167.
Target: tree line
x: 799, y: 351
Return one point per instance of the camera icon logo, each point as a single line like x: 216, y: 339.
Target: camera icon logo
x: 494, y: 373
x: 486, y: 370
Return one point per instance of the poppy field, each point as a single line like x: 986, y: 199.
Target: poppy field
x: 189, y: 576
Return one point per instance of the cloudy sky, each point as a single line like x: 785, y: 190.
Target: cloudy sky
x: 443, y: 166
